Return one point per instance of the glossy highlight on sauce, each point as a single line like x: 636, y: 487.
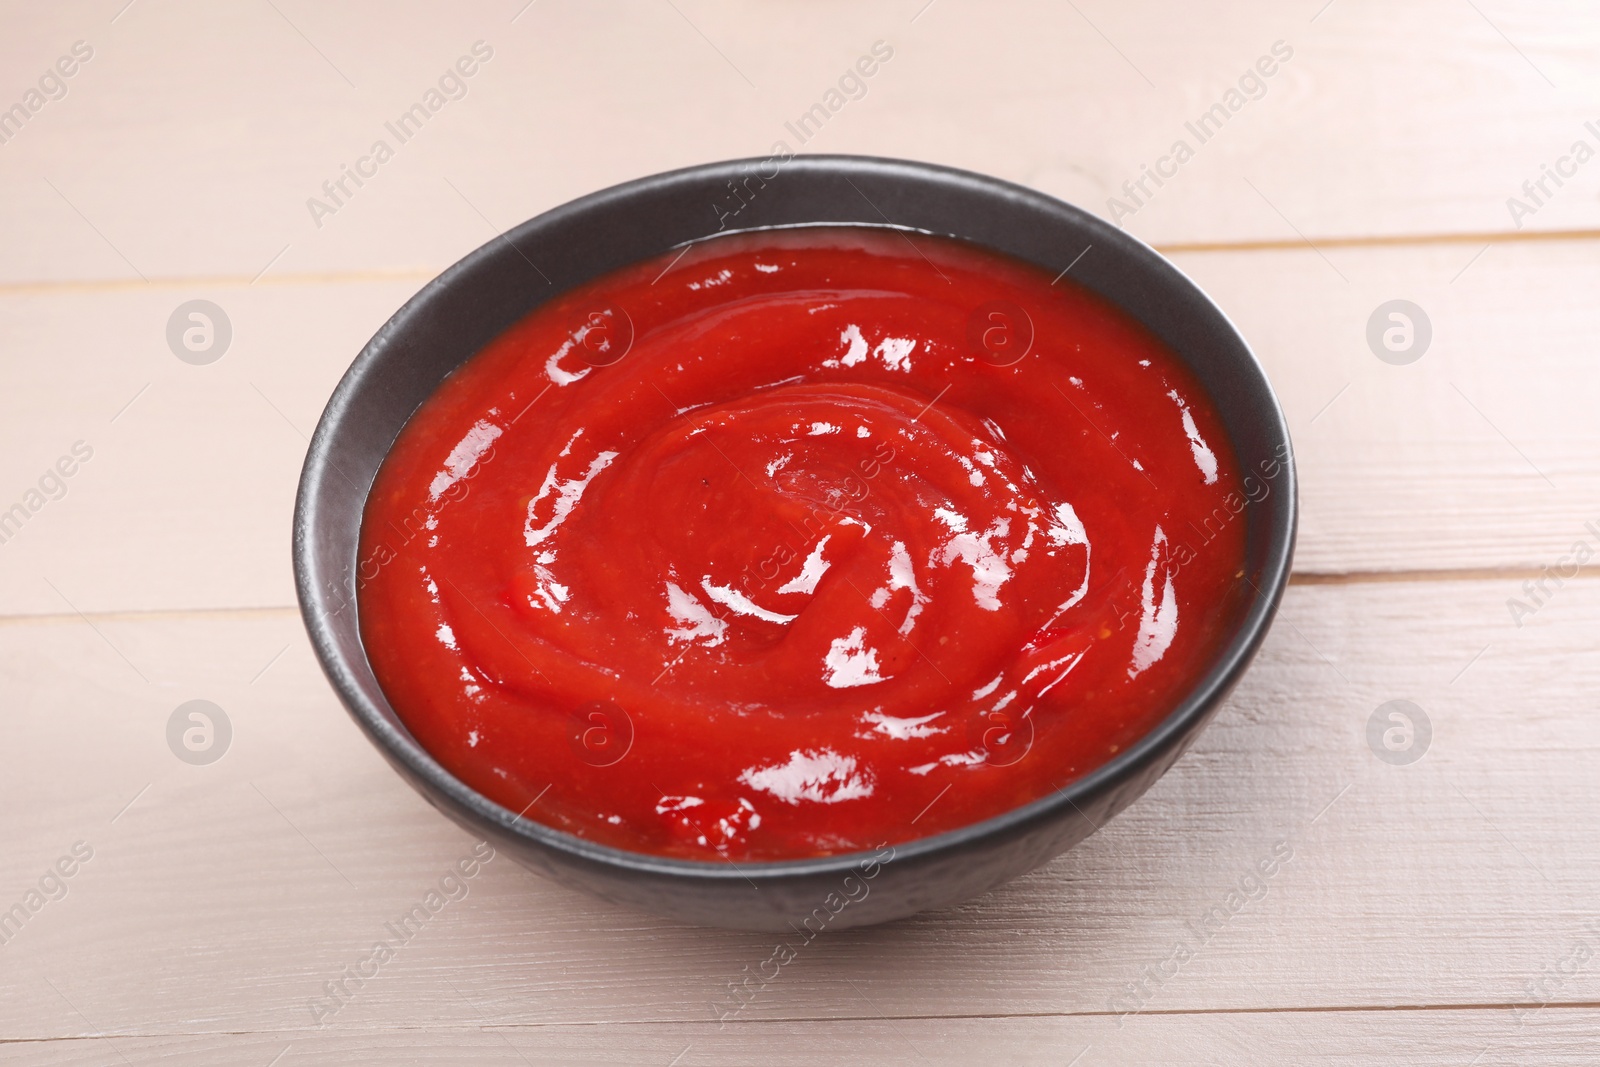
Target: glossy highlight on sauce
x: 800, y: 542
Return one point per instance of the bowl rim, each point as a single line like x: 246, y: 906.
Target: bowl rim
x: 1202, y: 697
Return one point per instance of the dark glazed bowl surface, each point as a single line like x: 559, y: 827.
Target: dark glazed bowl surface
x: 458, y: 313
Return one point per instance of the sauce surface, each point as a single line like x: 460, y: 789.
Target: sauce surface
x: 798, y: 543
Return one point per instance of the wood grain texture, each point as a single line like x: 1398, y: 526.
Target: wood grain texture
x: 191, y: 143
x: 1407, y: 1039
x: 1437, y: 913
x: 236, y: 891
x: 1479, y: 455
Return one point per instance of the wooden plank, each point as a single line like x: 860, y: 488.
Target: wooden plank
x: 1439, y: 912
x: 237, y: 890
x: 1419, y: 120
x: 1477, y: 454
x: 1405, y: 1039
x: 187, y: 500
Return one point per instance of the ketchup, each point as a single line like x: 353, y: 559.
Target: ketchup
x: 800, y: 542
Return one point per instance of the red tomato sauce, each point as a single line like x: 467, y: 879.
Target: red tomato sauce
x: 798, y: 543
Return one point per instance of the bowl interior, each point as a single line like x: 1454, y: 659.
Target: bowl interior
x: 457, y: 314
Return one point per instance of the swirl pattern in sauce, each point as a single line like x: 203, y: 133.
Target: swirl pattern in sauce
x: 809, y: 541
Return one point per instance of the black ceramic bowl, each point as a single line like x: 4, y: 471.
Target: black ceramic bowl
x: 458, y: 313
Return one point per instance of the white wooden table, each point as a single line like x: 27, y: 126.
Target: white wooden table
x: 1441, y: 912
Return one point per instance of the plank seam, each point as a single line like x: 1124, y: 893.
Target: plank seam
x: 423, y: 274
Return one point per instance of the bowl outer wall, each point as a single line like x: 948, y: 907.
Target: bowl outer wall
x: 457, y: 314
